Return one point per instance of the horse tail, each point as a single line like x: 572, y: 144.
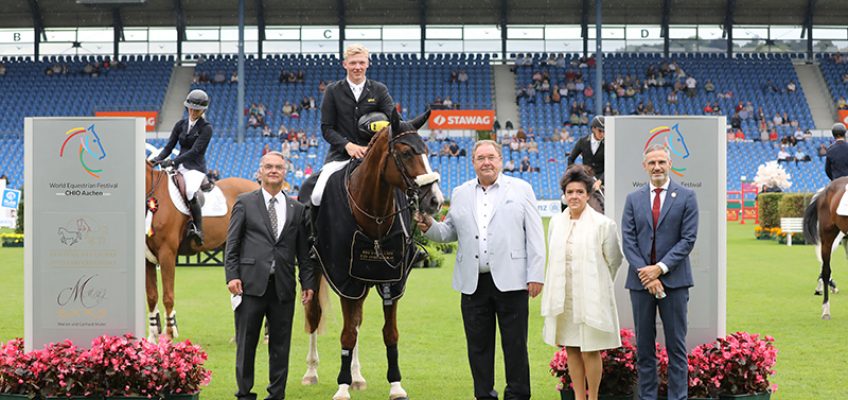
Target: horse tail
x: 319, y: 305
x: 811, y: 220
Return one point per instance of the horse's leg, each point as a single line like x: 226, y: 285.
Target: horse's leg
x: 828, y: 235
x: 154, y: 320
x: 352, y: 312
x: 359, y: 382
x: 167, y: 267
x: 313, y: 321
x: 390, y: 338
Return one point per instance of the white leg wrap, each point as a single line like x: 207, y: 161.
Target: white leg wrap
x: 343, y: 393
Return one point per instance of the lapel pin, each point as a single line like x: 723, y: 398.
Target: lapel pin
x: 674, y: 194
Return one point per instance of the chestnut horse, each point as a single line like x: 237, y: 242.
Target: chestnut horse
x: 168, y: 233
x: 822, y: 226
x: 396, y: 161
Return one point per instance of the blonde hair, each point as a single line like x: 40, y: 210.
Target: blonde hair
x: 487, y: 142
x: 355, y: 49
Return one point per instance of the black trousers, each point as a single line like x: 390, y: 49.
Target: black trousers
x: 480, y: 312
x: 249, y: 318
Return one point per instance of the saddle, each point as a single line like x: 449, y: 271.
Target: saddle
x: 206, y: 186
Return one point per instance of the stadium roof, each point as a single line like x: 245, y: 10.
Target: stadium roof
x: 65, y: 13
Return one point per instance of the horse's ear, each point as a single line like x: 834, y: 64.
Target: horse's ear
x: 395, y: 121
x: 420, y: 120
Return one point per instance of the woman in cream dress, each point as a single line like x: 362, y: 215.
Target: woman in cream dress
x: 578, y: 301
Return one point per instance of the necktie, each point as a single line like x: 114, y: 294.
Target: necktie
x: 272, y: 213
x: 655, y: 211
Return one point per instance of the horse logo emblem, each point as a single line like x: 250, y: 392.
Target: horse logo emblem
x: 89, y: 144
x: 673, y: 140
x: 70, y: 237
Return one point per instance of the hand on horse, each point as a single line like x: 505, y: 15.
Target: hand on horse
x: 597, y: 185
x: 165, y: 163
x: 355, y: 150
x: 235, y: 286
x: 534, y: 288
x: 306, y: 296
x: 424, y: 221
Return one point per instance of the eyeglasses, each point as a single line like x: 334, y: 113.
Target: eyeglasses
x: 492, y: 158
x: 276, y: 167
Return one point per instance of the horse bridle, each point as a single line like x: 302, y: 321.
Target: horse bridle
x: 413, y: 185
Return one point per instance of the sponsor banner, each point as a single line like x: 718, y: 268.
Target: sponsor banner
x: 843, y: 116
x: 478, y: 120
x: 84, y: 242
x: 11, y: 198
x: 548, y: 208
x: 150, y: 117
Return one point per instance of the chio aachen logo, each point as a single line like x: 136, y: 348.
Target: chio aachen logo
x: 90, y: 146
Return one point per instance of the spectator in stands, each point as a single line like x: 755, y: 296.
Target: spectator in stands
x: 285, y: 149
x: 515, y: 145
x: 454, y: 149
x: 283, y: 132
x: 783, y: 155
x: 266, y: 131
x: 709, y: 87
x: 800, y: 156
x: 304, y: 143
x: 591, y: 148
x: 640, y: 109
x: 525, y: 165
x: 288, y: 109
x: 252, y: 121
x: 313, y: 140
x: 219, y: 77
x: 2, y: 69
x: 521, y: 134
x: 736, y: 121
x: 789, y: 121
x: 671, y: 98
x: 608, y: 110
x: 454, y: 75
x: 799, y: 134
x: 463, y: 77
x: 532, y: 146
x: 740, y: 135
x: 841, y: 103
x: 588, y: 92
x: 294, y: 144
x: 708, y: 108
x: 234, y: 77
x: 764, y: 135
x: 790, y: 87
x: 564, y: 135
x: 845, y: 77
x: 770, y: 87
x: 322, y: 86
x: 266, y: 149
x: 193, y: 134
x: 447, y: 102
x: 530, y: 93
x: 731, y: 135
x: 556, y: 97
x: 760, y: 115
x: 509, y: 166
x: 312, y: 103
x: 691, y: 86
x: 822, y: 151
x: 307, y: 172
x: 773, y: 134
x: 777, y: 120
x: 445, y: 150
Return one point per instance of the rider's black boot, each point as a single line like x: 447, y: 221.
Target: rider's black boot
x: 196, y: 230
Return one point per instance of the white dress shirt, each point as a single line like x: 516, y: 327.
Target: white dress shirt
x: 280, y: 208
x: 356, y: 89
x: 662, y: 195
x: 487, y: 198
x: 596, y: 144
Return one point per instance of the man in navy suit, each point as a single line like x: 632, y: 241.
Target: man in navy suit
x: 836, y: 162
x: 658, y: 230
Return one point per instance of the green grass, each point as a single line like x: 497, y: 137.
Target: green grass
x: 769, y: 291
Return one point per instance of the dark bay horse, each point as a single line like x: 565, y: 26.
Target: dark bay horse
x: 168, y: 232
x: 396, y: 162
x: 822, y: 226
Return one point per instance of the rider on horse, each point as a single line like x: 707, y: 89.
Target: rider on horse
x: 345, y: 102
x: 193, y: 135
x: 835, y: 166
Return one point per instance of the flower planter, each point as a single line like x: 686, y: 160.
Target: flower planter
x: 9, y: 396
x: 183, y: 396
x: 566, y: 394
x: 757, y: 396
x: 71, y: 398
x: 127, y: 398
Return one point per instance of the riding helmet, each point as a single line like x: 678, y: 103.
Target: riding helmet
x: 197, y: 100
x: 373, y: 122
x: 598, y: 122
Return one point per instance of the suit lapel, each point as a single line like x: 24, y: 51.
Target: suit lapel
x: 669, y: 198
x: 473, y: 194
x: 289, y: 215
x: 644, y: 200
x: 260, y: 198
x: 348, y: 91
x: 504, y: 188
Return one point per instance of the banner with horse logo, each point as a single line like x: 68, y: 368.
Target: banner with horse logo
x: 83, y: 256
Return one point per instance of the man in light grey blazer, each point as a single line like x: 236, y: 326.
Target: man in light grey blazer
x: 500, y: 262
x: 658, y: 231
x: 267, y: 233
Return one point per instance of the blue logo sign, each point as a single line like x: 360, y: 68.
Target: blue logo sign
x: 11, y: 198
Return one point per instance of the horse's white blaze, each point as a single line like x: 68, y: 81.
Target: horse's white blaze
x: 396, y: 391
x: 311, y: 376
x: 430, y: 177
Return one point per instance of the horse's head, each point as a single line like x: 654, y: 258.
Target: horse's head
x: 677, y: 143
x: 411, y: 170
x: 93, y: 145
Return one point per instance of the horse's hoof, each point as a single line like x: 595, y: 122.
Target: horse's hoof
x: 309, y: 380
x: 398, y: 398
x: 834, y: 290
x: 826, y: 317
x: 342, y: 393
x: 359, y: 385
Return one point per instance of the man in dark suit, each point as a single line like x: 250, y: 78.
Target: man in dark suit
x: 658, y: 231
x: 836, y: 162
x: 267, y: 232
x: 591, y: 147
x: 345, y: 101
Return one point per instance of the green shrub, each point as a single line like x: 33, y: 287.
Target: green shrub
x: 791, y: 205
x: 768, y: 208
